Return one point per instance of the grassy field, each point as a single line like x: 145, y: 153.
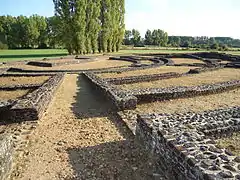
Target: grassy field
x: 26, y: 54
x: 17, y: 55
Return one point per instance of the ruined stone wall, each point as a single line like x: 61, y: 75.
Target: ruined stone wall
x: 142, y: 78
x: 161, y: 94
x: 184, y: 148
x: 204, y: 69
x: 34, y: 104
x: 6, y: 155
x: 119, y: 98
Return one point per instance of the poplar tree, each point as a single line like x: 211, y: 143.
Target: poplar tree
x: 95, y: 25
x: 121, y: 25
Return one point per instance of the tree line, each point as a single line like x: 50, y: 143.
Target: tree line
x: 88, y: 26
x: 25, y: 32
x: 159, y: 37
x: 80, y: 26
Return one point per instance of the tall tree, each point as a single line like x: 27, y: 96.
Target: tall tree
x: 121, y: 24
x: 148, y: 38
x: 136, y: 37
x: 79, y: 21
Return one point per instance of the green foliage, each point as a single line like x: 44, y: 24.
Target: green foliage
x: 3, y: 46
x: 91, y: 25
x: 148, y: 38
x: 214, y: 46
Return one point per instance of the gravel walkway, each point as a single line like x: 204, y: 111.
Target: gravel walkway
x: 79, y: 138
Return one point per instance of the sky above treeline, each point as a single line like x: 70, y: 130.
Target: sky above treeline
x: 177, y: 17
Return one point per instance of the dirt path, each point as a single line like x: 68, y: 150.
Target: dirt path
x: 79, y: 138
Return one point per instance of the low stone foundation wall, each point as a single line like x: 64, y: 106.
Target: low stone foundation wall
x: 161, y: 94
x: 183, y: 148
x: 128, y: 99
x: 6, y: 155
x: 205, y: 69
x: 34, y: 104
x: 45, y: 63
x: 40, y: 64
x: 20, y: 86
x: 135, y: 79
x: 119, y: 98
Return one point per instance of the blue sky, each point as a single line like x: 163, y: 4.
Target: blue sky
x: 177, y: 17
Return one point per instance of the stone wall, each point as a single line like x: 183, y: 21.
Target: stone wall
x: 184, y: 148
x: 161, y: 94
x: 33, y: 105
x: 6, y: 156
x: 45, y: 63
x: 142, y: 78
x: 19, y: 86
x: 124, y: 99
x: 40, y: 64
x: 204, y: 69
x: 119, y: 98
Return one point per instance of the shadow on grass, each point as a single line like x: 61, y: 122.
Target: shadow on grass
x: 20, y: 56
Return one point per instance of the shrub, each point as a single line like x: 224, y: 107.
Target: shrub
x: 3, y: 46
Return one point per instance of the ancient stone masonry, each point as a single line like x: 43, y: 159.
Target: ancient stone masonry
x: 204, y: 69
x: 20, y: 86
x: 119, y: 98
x: 6, y: 155
x: 123, y: 99
x: 43, y: 63
x: 160, y: 94
x: 183, y: 146
x: 34, y: 104
x: 135, y: 79
x: 22, y: 74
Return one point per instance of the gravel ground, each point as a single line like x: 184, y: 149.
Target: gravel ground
x: 23, y: 80
x: 7, y: 95
x: 186, y: 60
x: 231, y: 143
x: 195, y: 104
x: 162, y: 69
x: 220, y: 75
x: 79, y: 138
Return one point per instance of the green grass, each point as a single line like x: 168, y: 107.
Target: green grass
x: 27, y: 54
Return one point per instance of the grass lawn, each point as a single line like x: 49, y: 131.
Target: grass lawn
x: 28, y: 54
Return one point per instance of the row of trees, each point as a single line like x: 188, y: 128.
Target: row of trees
x: 160, y: 38
x: 91, y: 25
x: 81, y: 26
x: 25, y: 32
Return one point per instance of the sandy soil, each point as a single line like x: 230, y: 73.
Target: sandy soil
x: 186, y: 60
x: 231, y: 143
x: 7, y: 95
x: 191, y: 80
x: 158, y: 70
x: 146, y: 62
x: 194, y: 104
x: 79, y: 138
x: 102, y: 62
x: 23, y: 80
